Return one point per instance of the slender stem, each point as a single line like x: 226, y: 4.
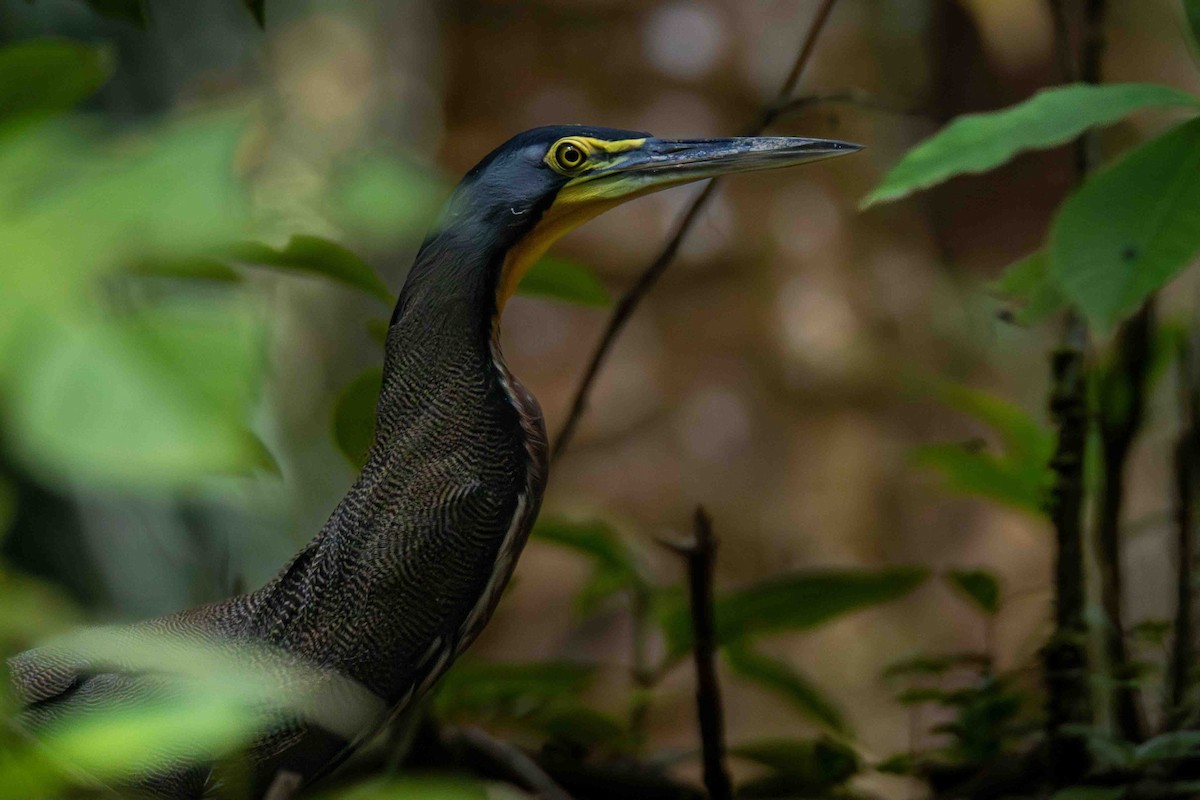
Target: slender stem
x: 633, y: 297
x: 700, y: 555
x: 1122, y: 407
x: 514, y: 762
x: 1187, y: 449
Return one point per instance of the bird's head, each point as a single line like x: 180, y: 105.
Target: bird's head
x: 545, y: 182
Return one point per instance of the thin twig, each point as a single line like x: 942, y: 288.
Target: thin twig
x: 520, y: 766
x: 700, y: 554
x: 633, y: 297
x: 850, y: 97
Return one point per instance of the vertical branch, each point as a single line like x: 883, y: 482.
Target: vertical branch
x: 1068, y: 701
x: 1122, y: 408
x: 699, y: 555
x: 1187, y: 450
x: 633, y: 297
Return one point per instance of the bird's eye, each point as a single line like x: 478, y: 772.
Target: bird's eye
x: 569, y: 155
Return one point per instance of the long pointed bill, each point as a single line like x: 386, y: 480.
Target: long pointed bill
x: 660, y: 163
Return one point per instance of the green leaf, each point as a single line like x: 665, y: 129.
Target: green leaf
x: 1191, y: 9
x: 163, y: 397
x: 47, y: 75
x: 378, y: 329
x: 135, y: 12
x: 190, y: 268
x: 320, y: 257
x: 1130, y: 228
x: 480, y: 689
x: 971, y: 471
x: 798, y: 767
x: 980, y: 142
x: 795, y: 601
x: 1090, y: 793
x: 980, y: 587
x: 258, y: 8
x: 354, y: 416
x: 616, y: 568
x: 385, y: 200
x: 789, y: 684
x: 1029, y: 283
x: 1173, y: 746
x: 933, y: 665
x: 563, y: 279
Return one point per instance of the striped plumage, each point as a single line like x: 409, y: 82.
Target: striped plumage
x: 411, y: 563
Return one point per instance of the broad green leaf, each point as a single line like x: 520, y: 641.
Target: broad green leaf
x: 980, y: 587
x: 616, y: 569
x: 258, y: 9
x: 163, y: 397
x: 980, y: 142
x: 1023, y: 437
x: 1030, y: 283
x: 192, y: 267
x: 1130, y: 228
x: 477, y: 688
x: 385, y: 200
x: 135, y: 12
x: 789, y: 684
x: 563, y: 279
x: 1191, y: 9
x: 47, y: 75
x: 354, y: 416
x: 795, y: 601
x: 320, y: 257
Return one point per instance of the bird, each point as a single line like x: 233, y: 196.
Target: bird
x: 411, y: 563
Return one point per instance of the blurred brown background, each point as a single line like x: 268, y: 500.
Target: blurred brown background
x: 775, y: 374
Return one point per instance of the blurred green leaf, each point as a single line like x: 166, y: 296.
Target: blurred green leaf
x: 980, y: 587
x: 161, y: 397
x: 1023, y: 437
x: 1130, y: 228
x: 8, y: 506
x: 980, y: 142
x: 354, y: 416
x: 135, y: 12
x: 968, y: 470
x: 1173, y: 746
x: 1029, y: 283
x: 48, y: 75
x: 478, y: 689
x: 320, y: 257
x: 564, y: 279
x: 1191, y: 9
x: 258, y: 8
x: 933, y: 665
x: 378, y: 329
x: 789, y: 684
x: 799, y: 768
x: 1090, y: 793
x: 190, y: 267
x: 581, y: 725
x: 615, y: 570
x: 386, y: 200
x: 796, y: 601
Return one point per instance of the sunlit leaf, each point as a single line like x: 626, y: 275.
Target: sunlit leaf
x: 354, y: 416
x: 161, y: 397
x: 789, y: 684
x: 563, y: 279
x: 1029, y: 283
x: 796, y: 601
x: 135, y: 12
x: 191, y: 268
x: 46, y: 75
x: 981, y: 142
x: 1130, y: 228
x: 317, y: 256
x: 980, y: 587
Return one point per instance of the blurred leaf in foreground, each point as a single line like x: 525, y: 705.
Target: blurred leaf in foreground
x: 980, y: 142
x: 476, y: 689
x: 798, y: 768
x: 1029, y: 283
x: 47, y: 75
x: 788, y: 684
x: 979, y: 587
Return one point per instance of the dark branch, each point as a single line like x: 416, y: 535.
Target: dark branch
x: 512, y: 761
x: 700, y: 554
x: 649, y: 277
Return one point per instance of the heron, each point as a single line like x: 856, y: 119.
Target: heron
x: 410, y: 565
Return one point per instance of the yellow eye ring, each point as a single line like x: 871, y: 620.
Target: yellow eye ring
x: 569, y: 155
